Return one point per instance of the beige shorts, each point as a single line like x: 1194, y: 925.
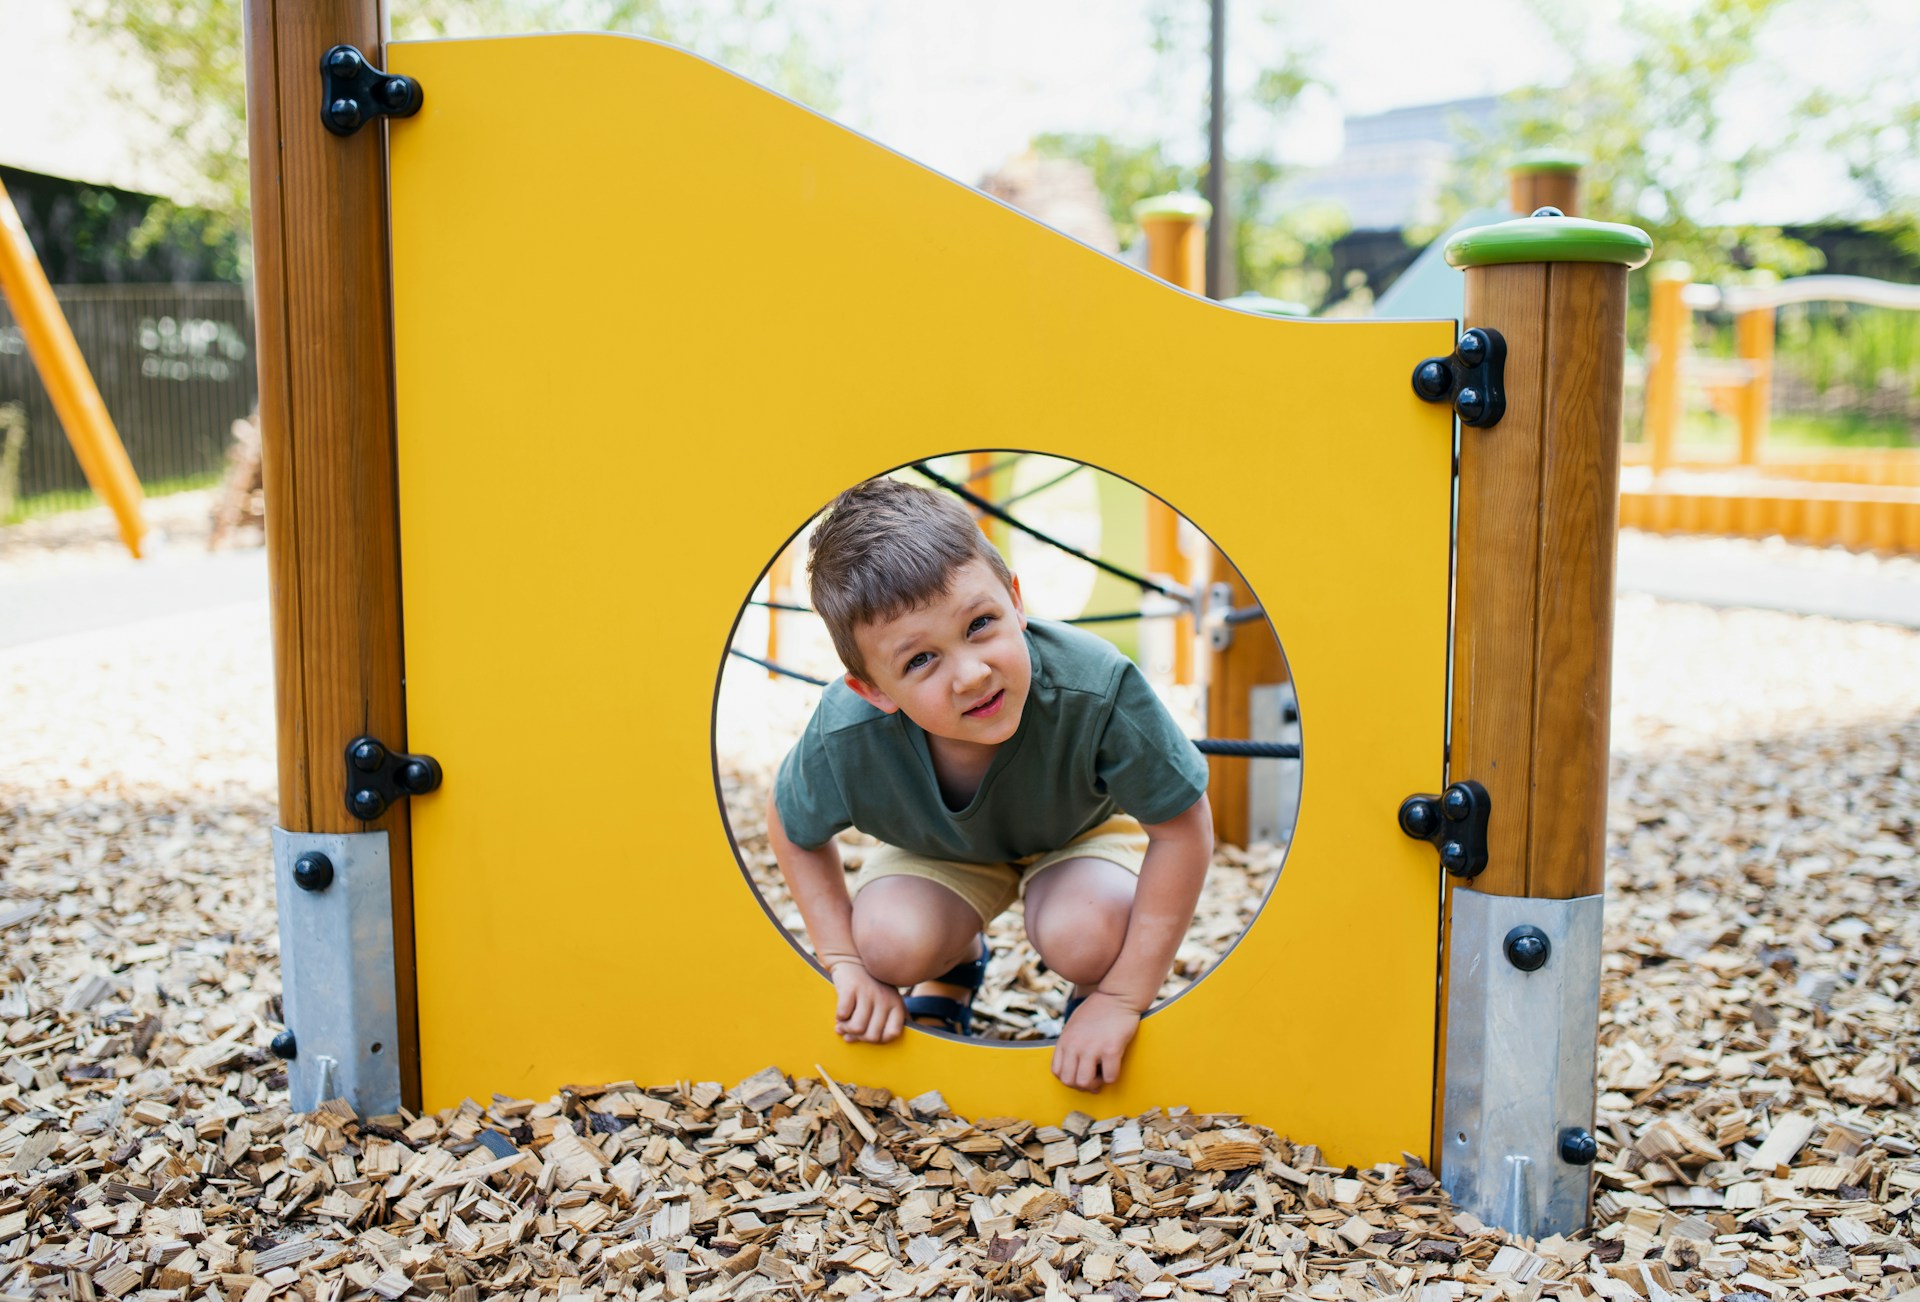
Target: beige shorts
x: 992, y: 887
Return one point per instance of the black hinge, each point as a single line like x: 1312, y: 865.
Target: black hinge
x: 353, y: 92
x: 1474, y: 376
x: 376, y: 777
x: 1455, y: 821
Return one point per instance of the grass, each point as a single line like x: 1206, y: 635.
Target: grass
x: 42, y: 505
x: 1709, y: 429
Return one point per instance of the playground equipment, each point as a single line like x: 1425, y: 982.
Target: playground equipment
x: 1866, y: 498
x: 96, y: 444
x: 544, y: 892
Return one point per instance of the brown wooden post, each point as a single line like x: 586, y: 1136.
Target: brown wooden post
x: 1532, y: 656
x: 1176, y: 231
x: 1544, y: 179
x: 326, y: 416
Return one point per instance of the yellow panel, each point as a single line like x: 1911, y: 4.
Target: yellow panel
x: 649, y: 319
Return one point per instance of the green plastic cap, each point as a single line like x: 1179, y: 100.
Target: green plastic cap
x: 1173, y: 205
x: 1550, y: 239
x: 1547, y: 160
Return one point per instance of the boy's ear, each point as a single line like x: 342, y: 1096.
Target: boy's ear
x: 1019, y: 606
x: 872, y: 695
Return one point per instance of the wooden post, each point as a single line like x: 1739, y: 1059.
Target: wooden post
x: 1753, y: 343
x: 1668, y: 320
x: 327, y: 437
x: 1533, y: 597
x: 779, y: 591
x: 991, y: 487
x: 1545, y: 179
x: 1176, y: 229
x: 1176, y: 235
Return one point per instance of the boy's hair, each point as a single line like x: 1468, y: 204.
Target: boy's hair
x: 886, y: 548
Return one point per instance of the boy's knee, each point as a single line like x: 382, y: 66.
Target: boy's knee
x: 899, y: 951
x: 1083, y: 946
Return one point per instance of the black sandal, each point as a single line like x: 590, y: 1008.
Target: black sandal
x: 957, y: 1016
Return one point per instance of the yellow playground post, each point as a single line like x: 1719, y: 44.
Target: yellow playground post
x: 64, y: 371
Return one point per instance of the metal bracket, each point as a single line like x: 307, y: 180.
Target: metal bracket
x: 1219, y: 616
x: 334, y: 896
x: 376, y: 777
x: 1455, y: 821
x: 1523, y: 1008
x: 1474, y: 376
x: 353, y: 92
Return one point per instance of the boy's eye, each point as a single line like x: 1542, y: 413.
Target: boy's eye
x: 979, y: 623
x: 917, y: 661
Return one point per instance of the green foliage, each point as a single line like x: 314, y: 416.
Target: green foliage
x: 752, y: 37
x: 193, y: 51
x: 1653, y: 131
x: 1282, y: 254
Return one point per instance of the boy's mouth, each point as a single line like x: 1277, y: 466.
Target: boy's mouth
x: 989, y: 707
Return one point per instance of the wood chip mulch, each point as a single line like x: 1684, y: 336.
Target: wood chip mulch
x: 1760, y: 1061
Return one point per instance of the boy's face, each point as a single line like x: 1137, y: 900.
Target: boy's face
x: 958, y: 666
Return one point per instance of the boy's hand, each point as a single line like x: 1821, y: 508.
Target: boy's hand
x: 866, y: 1009
x: 1094, y: 1043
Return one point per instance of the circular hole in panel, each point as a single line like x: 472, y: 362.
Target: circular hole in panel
x: 763, y: 702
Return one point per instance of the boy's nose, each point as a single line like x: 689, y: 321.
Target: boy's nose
x: 972, y: 673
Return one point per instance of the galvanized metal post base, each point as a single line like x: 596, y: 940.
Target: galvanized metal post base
x: 1523, y: 1014
x: 334, y: 896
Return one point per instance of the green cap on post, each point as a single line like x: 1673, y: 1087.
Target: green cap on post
x: 1190, y: 206
x: 1547, y: 160
x: 1550, y: 239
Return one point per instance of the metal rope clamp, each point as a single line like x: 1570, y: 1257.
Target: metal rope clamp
x: 353, y: 92
x: 1474, y: 377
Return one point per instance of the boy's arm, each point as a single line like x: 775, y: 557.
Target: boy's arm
x: 866, y: 1009
x: 1178, y: 852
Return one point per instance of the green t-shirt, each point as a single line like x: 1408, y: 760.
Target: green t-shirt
x: 1094, y: 740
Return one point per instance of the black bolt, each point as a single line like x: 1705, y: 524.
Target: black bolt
x: 1453, y: 857
x: 1432, y: 379
x: 1527, y: 948
x: 1577, y: 1147
x: 344, y: 113
x: 1470, y: 403
x: 367, y: 804
x: 283, y: 1046
x: 395, y: 92
x: 343, y: 60
x: 313, y: 871
x: 1472, y: 348
x: 1456, y: 803
x: 367, y: 754
x: 1418, y: 818
x: 1550, y: 211
x: 418, y: 777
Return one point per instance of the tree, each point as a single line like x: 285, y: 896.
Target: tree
x: 195, y: 87
x: 1284, y: 254
x: 1653, y: 131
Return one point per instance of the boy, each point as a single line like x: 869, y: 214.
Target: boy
x: 995, y: 758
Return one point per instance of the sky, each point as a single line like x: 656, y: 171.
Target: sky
x: 963, y: 87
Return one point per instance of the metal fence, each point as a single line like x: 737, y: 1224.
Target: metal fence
x: 174, y: 364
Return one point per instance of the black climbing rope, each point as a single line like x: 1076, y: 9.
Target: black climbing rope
x: 1140, y: 581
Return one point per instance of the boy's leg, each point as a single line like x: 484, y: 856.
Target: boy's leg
x: 910, y: 929
x: 1077, y: 913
